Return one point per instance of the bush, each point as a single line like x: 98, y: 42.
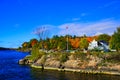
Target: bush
x: 96, y: 50
x: 64, y: 57
x: 36, y: 54
x: 113, y: 57
x: 98, y: 54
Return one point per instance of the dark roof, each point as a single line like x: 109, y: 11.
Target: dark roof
x: 102, y: 41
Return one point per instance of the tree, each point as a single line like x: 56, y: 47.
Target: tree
x: 75, y: 42
x: 61, y: 45
x: 33, y: 42
x: 25, y: 45
x: 42, y: 32
x: 84, y: 43
x: 104, y: 37
x: 115, y: 40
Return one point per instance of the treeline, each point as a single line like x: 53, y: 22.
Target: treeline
x: 73, y: 42
x: 54, y: 43
x: 2, y: 48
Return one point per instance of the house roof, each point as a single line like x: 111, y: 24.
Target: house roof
x: 104, y: 42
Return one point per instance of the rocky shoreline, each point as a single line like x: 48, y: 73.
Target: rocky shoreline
x: 91, y: 65
x: 79, y: 70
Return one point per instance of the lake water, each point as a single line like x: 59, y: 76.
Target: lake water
x: 11, y: 70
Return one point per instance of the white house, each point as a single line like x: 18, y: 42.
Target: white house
x: 93, y: 45
x: 100, y: 45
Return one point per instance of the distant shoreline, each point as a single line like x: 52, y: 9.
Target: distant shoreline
x: 2, y: 48
x: 79, y: 70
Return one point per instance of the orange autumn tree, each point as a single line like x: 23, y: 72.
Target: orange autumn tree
x: 75, y: 42
x: 33, y: 42
x: 90, y: 39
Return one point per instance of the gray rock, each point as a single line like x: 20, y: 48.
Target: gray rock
x: 22, y: 61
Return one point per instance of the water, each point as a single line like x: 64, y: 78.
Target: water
x: 11, y: 70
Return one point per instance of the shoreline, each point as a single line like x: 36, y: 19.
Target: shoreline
x: 80, y: 70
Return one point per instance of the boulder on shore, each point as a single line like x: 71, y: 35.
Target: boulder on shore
x: 25, y: 61
x: 22, y: 61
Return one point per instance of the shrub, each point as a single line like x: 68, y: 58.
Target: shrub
x: 36, y: 54
x: 64, y: 57
x: 113, y: 57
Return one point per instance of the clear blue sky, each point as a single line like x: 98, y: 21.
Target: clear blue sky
x: 19, y: 18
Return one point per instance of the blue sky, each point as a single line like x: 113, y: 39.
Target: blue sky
x: 19, y: 18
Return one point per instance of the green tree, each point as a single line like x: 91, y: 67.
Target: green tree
x: 84, y: 43
x: 25, y: 45
x: 115, y: 40
x: 47, y: 44
x: 61, y: 45
x: 104, y: 37
x: 42, y: 32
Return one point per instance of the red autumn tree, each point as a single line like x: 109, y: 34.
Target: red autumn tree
x: 33, y: 42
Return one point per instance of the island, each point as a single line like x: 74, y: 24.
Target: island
x: 85, y: 54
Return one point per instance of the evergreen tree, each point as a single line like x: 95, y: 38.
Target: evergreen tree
x: 115, y: 40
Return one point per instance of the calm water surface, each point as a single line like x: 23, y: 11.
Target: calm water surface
x: 11, y: 70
